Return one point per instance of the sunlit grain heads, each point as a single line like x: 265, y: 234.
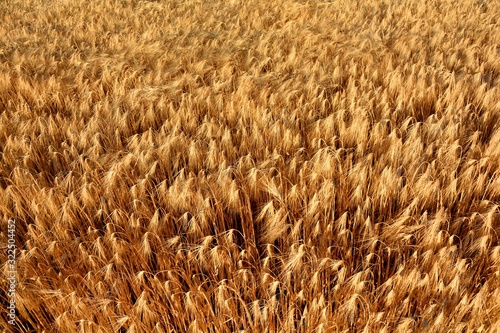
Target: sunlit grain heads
x: 149, y: 244
x: 330, y: 173
x: 274, y: 226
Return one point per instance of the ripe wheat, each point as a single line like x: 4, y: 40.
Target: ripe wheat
x: 259, y: 166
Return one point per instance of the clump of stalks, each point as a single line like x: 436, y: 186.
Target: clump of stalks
x: 262, y: 166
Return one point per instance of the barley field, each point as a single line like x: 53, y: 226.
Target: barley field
x: 258, y: 166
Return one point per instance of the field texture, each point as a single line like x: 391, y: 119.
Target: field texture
x: 256, y: 166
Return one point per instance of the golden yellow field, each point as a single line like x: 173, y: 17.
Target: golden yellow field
x: 255, y: 166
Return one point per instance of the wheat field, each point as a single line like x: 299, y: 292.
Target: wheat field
x: 260, y: 166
